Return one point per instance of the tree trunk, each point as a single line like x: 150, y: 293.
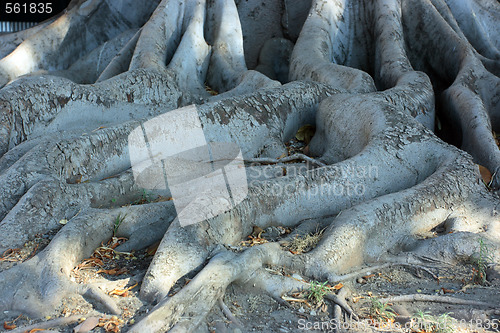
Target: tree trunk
x: 89, y: 98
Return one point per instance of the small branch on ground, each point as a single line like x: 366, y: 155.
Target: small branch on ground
x: 286, y: 159
x: 56, y: 322
x: 434, y: 298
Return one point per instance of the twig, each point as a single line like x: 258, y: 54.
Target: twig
x: 228, y: 313
x: 286, y: 159
x: 435, y: 298
x: 48, y: 324
x: 339, y: 278
x: 280, y: 301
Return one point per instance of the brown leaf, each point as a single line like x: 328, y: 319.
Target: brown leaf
x: 338, y: 286
x: 113, y: 271
x: 210, y: 90
x: 151, y: 250
x: 485, y: 174
x: 306, y: 150
x: 447, y: 291
x: 74, y: 179
x: 9, y: 326
x: 122, y: 292
x: 257, y: 231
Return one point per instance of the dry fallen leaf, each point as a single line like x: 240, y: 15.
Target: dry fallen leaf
x: 9, y: 326
x: 447, y: 291
x: 485, y: 174
x: 113, y: 271
x: 111, y: 325
x: 338, y: 286
x: 122, y: 292
x: 151, y: 250
x: 210, y: 90
x: 253, y: 241
x: 257, y: 231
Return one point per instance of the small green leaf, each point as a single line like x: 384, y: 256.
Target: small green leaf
x: 305, y: 133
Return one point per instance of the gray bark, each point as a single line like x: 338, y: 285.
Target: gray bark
x: 372, y: 77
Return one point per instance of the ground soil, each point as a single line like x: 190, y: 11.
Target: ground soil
x: 260, y: 313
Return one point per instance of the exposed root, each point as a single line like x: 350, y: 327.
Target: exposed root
x: 180, y: 252
x: 277, y: 286
x: 99, y: 296
x: 52, y: 323
x: 383, y: 184
x: 44, y: 279
x: 337, y: 309
x: 314, y: 51
x: 472, y: 99
x: 121, y: 61
x: 91, y: 66
x: 434, y: 298
x: 227, y: 63
x: 48, y: 48
x: 228, y: 313
x: 186, y: 309
x: 372, y: 269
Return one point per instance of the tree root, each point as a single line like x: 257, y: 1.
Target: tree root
x: 337, y: 309
x: 43, y: 49
x: 53, y: 323
x: 372, y: 269
x: 42, y: 278
x: 384, y: 181
x: 313, y: 53
x: 434, y: 298
x: 228, y: 314
x: 471, y: 101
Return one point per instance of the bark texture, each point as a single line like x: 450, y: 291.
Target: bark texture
x: 404, y: 96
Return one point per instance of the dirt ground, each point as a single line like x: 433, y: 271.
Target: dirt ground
x: 119, y: 275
